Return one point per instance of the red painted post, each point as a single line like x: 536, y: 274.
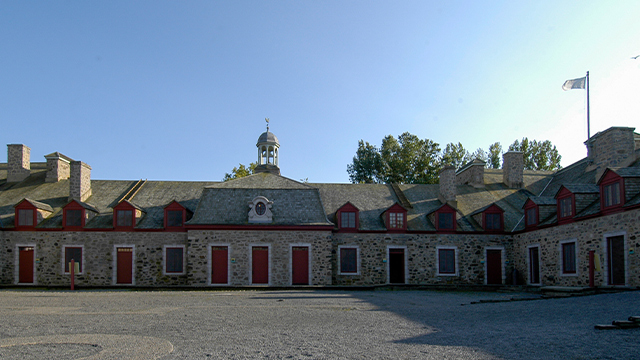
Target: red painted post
x: 72, y: 270
x: 592, y: 267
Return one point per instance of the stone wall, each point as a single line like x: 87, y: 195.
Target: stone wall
x: 421, y: 257
x: 472, y: 174
x: 614, y: 147
x: 589, y: 235
x: 240, y: 243
x: 447, y: 185
x: 57, y: 169
x: 79, y: 181
x: 513, y: 169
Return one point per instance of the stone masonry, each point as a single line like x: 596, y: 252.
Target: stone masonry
x: 611, y: 148
x: 58, y: 168
x: 80, y: 181
x: 447, y: 185
x: 513, y: 169
x: 19, y: 162
x: 472, y: 174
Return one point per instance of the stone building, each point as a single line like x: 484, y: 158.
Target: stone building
x: 476, y: 226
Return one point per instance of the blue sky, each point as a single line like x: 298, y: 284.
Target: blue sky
x: 177, y: 90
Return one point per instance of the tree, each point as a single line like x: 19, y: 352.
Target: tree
x: 366, y: 166
x: 495, y: 154
x: 240, y: 171
x: 454, y: 154
x: 538, y: 155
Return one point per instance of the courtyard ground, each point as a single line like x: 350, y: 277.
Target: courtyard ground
x: 313, y: 324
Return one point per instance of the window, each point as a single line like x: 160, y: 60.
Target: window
x: 25, y: 217
x: 348, y: 219
x: 124, y: 218
x: 75, y: 254
x: 531, y: 216
x: 447, y: 261
x: 396, y: 220
x: 174, y: 260
x: 566, y: 208
x: 73, y: 217
x: 611, y: 194
x: 348, y: 260
x: 493, y: 221
x: 174, y: 218
x: 569, y: 258
x: 445, y: 221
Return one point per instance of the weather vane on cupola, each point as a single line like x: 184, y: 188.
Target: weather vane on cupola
x: 267, y: 120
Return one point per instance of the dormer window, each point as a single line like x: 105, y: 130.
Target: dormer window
x: 396, y: 220
x: 611, y: 194
x: 445, y: 218
x: 76, y: 214
x: 347, y: 217
x: 493, y: 221
x: 531, y: 216
x: 490, y: 217
x: 25, y: 217
x: 174, y: 218
x: 29, y: 213
x: 124, y: 218
x: 260, y: 210
x: 565, y: 207
x: 73, y: 217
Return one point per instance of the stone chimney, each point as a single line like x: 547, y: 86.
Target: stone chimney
x: 612, y: 148
x: 58, y: 167
x: 19, y: 162
x: 472, y: 174
x: 513, y: 169
x: 448, y: 185
x: 79, y: 181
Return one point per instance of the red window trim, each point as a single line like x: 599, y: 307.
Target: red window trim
x: 174, y: 206
x: 124, y: 206
x: 492, y: 211
x: 395, y: 209
x: 73, y: 206
x: 535, y: 208
x: 453, y: 222
x: 612, y: 208
x: 25, y: 205
x: 567, y: 218
x: 575, y: 260
x: 348, y: 207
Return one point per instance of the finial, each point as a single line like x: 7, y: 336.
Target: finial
x: 267, y: 120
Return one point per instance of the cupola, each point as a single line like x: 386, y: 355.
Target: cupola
x: 268, y: 148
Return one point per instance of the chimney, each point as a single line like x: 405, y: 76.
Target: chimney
x: 58, y: 167
x: 80, y: 181
x: 448, y: 185
x: 612, y: 148
x: 513, y: 169
x: 472, y: 174
x: 19, y: 162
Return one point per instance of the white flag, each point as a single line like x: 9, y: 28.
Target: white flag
x: 578, y: 83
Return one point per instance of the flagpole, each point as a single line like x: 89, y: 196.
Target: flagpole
x: 588, y: 119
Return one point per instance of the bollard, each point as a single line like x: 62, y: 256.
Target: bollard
x: 72, y: 271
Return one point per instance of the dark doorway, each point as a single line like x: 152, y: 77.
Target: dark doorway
x: 396, y: 266
x: 534, y: 265
x: 615, y: 250
x: 494, y: 267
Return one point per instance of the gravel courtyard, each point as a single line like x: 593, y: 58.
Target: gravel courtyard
x: 108, y: 324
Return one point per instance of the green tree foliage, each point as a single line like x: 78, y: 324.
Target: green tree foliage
x: 494, y: 156
x: 240, y: 171
x: 538, y: 155
x: 454, y: 154
x: 366, y: 165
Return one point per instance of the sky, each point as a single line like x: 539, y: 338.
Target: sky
x: 179, y: 90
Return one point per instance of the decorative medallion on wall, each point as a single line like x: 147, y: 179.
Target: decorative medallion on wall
x: 260, y: 210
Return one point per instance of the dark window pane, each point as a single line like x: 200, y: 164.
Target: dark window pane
x: 493, y: 221
x: 348, y: 219
x: 348, y: 260
x: 74, y: 217
x: 569, y: 258
x: 531, y: 216
x: 25, y: 217
x: 612, y: 194
x: 174, y: 218
x: 565, y: 207
x: 125, y: 218
x: 74, y: 253
x: 447, y: 261
x: 174, y: 260
x: 445, y: 221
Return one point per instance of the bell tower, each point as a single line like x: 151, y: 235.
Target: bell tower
x: 268, y: 152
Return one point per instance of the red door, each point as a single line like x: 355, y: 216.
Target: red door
x: 260, y: 265
x: 124, y: 265
x: 25, y: 275
x: 300, y: 265
x: 219, y: 265
x: 494, y: 267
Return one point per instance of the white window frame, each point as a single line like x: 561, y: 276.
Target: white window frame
x: 84, y: 264
x: 358, y: 260
x: 455, y: 249
x: 16, y: 268
x: 291, y: 246
x: 251, y: 246
x: 561, y: 257
x: 114, y: 277
x: 164, y: 260
x: 210, y: 263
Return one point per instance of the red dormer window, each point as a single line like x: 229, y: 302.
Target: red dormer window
x: 347, y: 217
x: 73, y: 216
x: 492, y: 218
x: 396, y: 218
x: 175, y: 215
x: 566, y: 205
x: 25, y: 217
x: 125, y: 215
x: 531, y: 214
x: 29, y: 212
x: 445, y: 218
x: 611, y: 191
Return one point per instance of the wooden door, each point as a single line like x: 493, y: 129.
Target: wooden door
x: 494, y: 267
x: 615, y: 250
x: 260, y: 265
x: 124, y: 265
x: 25, y: 266
x: 534, y: 266
x: 300, y: 265
x: 396, y: 266
x: 219, y: 265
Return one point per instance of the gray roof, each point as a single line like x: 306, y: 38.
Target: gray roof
x: 543, y: 200
x: 628, y: 172
x: 268, y: 137
x: 38, y: 205
x: 582, y: 188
